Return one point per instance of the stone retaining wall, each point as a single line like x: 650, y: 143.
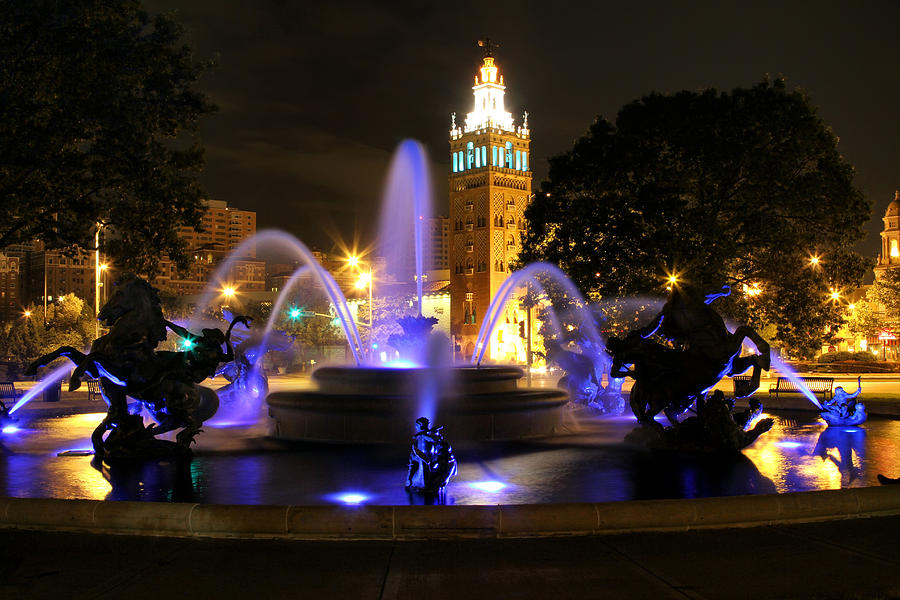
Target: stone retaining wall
x: 444, y: 522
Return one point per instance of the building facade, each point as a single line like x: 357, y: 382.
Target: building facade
x: 890, y: 237
x: 225, y: 229
x: 489, y: 188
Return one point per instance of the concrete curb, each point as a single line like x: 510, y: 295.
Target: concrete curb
x: 442, y: 522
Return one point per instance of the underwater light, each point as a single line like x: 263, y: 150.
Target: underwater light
x: 352, y: 498
x: 10, y: 429
x: 788, y: 444
x: 488, y: 486
x: 401, y: 364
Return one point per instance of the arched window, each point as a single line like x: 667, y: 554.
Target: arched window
x: 470, y: 155
x: 509, y: 155
x: 895, y: 251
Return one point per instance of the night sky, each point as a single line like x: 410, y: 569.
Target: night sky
x: 315, y: 96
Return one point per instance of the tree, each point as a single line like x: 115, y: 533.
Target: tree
x: 880, y: 311
x: 97, y: 104
x: 68, y: 322
x: 738, y: 188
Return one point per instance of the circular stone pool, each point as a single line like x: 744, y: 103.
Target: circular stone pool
x: 590, y: 463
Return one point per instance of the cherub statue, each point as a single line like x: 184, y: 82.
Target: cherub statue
x: 842, y: 408
x: 431, y: 460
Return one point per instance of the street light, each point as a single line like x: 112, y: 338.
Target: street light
x: 364, y: 281
x: 27, y: 314
x: 814, y: 261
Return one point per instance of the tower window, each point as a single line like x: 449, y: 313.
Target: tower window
x: 462, y: 165
x: 524, y: 161
x: 484, y: 156
x: 455, y: 162
x: 509, y: 155
x: 494, y: 155
x: 477, y: 158
x: 518, y: 160
x: 470, y: 155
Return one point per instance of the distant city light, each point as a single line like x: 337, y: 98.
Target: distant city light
x: 851, y: 306
x: 363, y: 281
x: 835, y: 295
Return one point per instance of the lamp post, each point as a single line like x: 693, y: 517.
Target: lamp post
x: 97, y: 281
x: 364, y: 281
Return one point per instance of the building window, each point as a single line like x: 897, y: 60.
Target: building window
x: 494, y: 155
x: 470, y: 155
x: 509, y: 155
x: 477, y: 158
x: 524, y: 161
x: 895, y: 251
x: 455, y: 163
x: 518, y: 160
x: 484, y: 156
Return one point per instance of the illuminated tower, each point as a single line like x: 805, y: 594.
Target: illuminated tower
x: 490, y: 186
x: 890, y: 237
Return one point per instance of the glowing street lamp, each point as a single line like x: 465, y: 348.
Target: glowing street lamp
x: 364, y: 281
x: 228, y: 292
x: 814, y: 261
x: 834, y: 295
x: 27, y: 314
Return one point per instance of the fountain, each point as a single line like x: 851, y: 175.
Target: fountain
x: 377, y: 403
x: 564, y: 470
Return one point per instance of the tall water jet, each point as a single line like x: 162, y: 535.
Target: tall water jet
x: 406, y: 209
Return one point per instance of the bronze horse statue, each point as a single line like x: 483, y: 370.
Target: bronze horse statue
x: 697, y: 352
x: 126, y: 362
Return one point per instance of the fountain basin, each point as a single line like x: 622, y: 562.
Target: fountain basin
x: 366, y: 405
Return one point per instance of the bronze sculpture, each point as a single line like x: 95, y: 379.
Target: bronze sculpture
x: 675, y: 361
x: 165, y: 383
x: 431, y: 460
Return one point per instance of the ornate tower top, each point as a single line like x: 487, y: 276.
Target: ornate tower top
x: 489, y: 89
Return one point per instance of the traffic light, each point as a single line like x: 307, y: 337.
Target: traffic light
x: 522, y: 330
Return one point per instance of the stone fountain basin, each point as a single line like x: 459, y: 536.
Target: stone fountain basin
x: 366, y: 405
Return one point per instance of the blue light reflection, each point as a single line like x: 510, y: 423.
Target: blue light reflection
x: 487, y: 486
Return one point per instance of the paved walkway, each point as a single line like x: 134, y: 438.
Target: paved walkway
x: 840, y: 559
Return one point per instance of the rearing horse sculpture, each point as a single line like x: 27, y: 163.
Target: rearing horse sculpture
x: 699, y: 352
x: 127, y: 364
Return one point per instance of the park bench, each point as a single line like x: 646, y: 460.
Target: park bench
x: 8, y: 394
x: 93, y: 387
x: 817, y: 385
x: 8, y: 391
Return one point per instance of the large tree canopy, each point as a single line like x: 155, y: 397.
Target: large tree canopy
x: 739, y: 188
x: 97, y: 108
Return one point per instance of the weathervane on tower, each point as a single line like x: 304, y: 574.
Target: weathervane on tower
x: 488, y: 44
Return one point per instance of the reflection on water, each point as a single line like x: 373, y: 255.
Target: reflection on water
x: 799, y: 454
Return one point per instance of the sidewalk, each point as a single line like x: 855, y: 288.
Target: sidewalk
x: 838, y: 559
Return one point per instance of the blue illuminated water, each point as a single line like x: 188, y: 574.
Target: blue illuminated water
x: 590, y: 465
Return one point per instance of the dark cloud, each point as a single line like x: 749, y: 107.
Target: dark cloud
x: 314, y: 97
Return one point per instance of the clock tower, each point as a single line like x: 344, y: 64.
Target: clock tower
x: 490, y: 186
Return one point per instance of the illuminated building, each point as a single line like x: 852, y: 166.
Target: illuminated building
x: 224, y: 229
x: 890, y: 237
x: 490, y: 186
